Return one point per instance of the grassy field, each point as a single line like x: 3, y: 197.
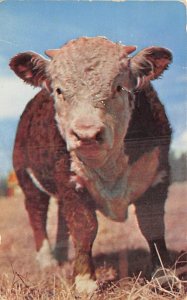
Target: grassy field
x: 20, y: 277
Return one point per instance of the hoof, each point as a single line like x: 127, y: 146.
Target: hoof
x: 167, y: 279
x: 85, y: 284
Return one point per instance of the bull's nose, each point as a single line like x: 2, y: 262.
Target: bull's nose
x: 89, y: 133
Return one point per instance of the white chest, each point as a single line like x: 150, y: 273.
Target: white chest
x: 113, y: 190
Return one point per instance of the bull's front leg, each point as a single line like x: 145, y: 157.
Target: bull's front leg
x: 150, y: 214
x: 82, y: 222
x: 62, y: 238
x: 36, y: 203
x: 79, y: 213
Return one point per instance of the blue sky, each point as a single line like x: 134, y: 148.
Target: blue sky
x: 40, y: 25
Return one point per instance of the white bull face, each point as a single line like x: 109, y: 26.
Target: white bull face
x: 93, y: 109
x: 93, y: 127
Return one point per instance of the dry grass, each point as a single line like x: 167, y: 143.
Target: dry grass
x: 20, y: 277
x: 54, y: 287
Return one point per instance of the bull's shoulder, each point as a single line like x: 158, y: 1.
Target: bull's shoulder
x: 37, y: 113
x: 38, y: 138
x: 149, y: 125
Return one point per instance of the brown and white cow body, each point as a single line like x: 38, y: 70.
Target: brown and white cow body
x: 96, y: 137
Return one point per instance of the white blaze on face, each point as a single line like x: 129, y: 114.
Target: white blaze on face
x: 44, y: 256
x: 124, y: 116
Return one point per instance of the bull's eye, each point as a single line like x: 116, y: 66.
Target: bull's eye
x: 119, y: 88
x: 59, y: 91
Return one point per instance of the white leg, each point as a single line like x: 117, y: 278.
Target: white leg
x: 44, y: 256
x: 85, y: 284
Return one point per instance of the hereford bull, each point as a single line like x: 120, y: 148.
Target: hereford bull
x: 96, y: 137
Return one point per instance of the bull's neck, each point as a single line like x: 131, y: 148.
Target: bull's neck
x: 114, y: 166
x: 107, y: 184
x: 115, y: 184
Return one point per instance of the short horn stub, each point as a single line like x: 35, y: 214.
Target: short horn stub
x: 52, y: 52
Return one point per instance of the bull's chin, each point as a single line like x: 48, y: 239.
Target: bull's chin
x: 94, y: 158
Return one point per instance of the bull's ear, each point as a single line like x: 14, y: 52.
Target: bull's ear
x: 151, y: 62
x: 31, y: 67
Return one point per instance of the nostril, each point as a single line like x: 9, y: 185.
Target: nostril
x: 99, y: 136
x: 76, y: 135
